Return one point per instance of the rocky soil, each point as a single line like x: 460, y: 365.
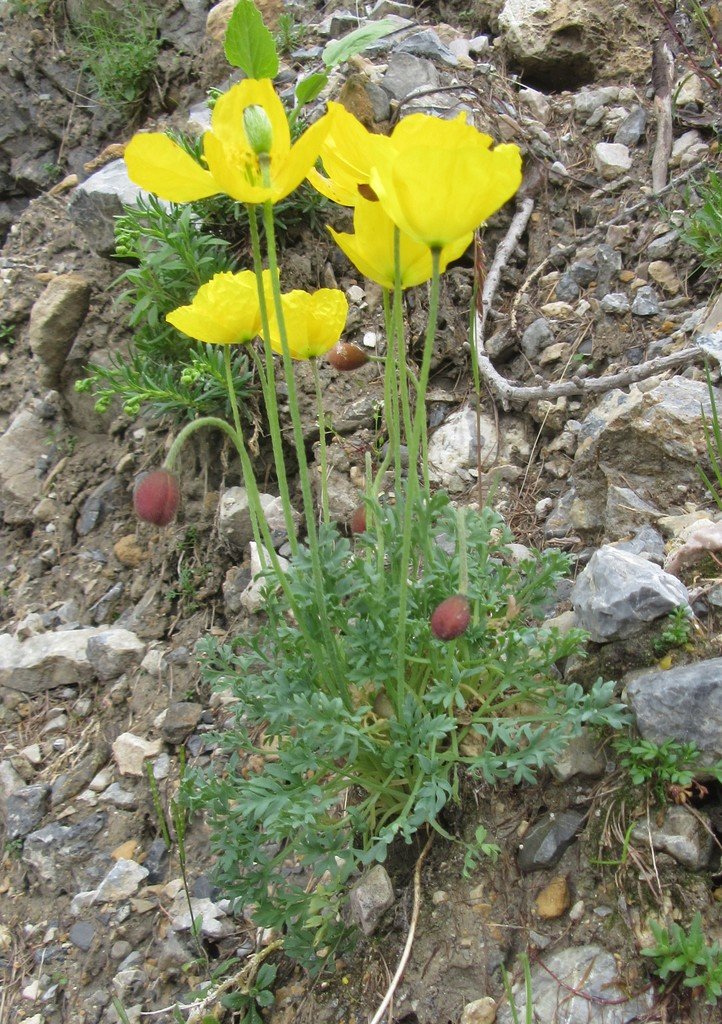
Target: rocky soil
x: 588, y: 438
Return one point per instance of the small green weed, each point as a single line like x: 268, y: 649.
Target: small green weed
x: 185, y: 591
x: 166, y: 374
x: 702, y: 229
x: 669, y: 769
x: 118, y: 50
x: 290, y: 34
x: 713, y: 443
x: 676, y: 633
x: 7, y: 334
x: 686, y: 954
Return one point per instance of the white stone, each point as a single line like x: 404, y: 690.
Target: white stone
x: 213, y: 922
x: 252, y: 599
x: 612, y: 159
x: 689, y: 91
x: 122, y: 881
x: 111, y: 652
x: 131, y: 752
x: 46, y: 661
x: 536, y: 104
x: 24, y: 441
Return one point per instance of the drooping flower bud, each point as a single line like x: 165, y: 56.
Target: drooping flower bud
x: 451, y: 618
x: 358, y: 520
x: 156, y: 497
x: 344, y: 356
x: 258, y: 129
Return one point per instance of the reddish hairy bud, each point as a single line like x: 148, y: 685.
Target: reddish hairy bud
x: 344, y: 356
x: 358, y: 520
x: 451, y: 618
x: 156, y: 497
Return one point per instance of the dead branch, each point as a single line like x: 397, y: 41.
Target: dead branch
x: 662, y: 81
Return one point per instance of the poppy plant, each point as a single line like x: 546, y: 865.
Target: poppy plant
x: 248, y: 152
x: 439, y: 180
x: 347, y: 153
x: 314, y: 322
x: 225, y: 311
x: 371, y: 248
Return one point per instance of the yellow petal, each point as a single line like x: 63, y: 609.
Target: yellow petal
x: 425, y: 130
x: 158, y: 164
x: 332, y: 190
x: 227, y: 117
x: 371, y: 248
x: 288, y: 174
x: 235, y: 170
x: 314, y: 322
x: 224, y: 311
x: 437, y: 195
x: 348, y: 155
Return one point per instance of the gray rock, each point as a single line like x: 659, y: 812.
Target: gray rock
x: 102, y: 610
x: 626, y: 510
x: 632, y: 127
x: 370, y: 898
x: 587, y: 101
x: 156, y: 862
x: 96, y: 505
x: 615, y: 303
x: 66, y: 857
x: 180, y: 720
x: 112, y: 652
x: 21, y: 445
x: 618, y: 594
x: 81, y: 934
x: 609, y: 263
x: 427, y: 44
x: 383, y: 8
x: 584, y: 273
x: 536, y: 337
x: 611, y: 160
x: 587, y: 982
x: 54, y: 322
x: 10, y: 782
x: 121, y: 798
x: 235, y: 583
x: 581, y: 756
x: 45, y: 661
x: 682, y: 835
x: 545, y: 842
x: 661, y: 247
x: 682, y: 703
x: 646, y: 302
x: 99, y: 200
x: 26, y: 808
x: 234, y: 517
x: 214, y: 924
x: 453, y: 448
x: 406, y: 73
x: 647, y: 543
x: 567, y: 289
x: 122, y: 881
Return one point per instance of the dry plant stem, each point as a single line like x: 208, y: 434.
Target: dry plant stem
x: 241, y: 981
x: 378, y: 1016
x: 517, y: 395
x: 662, y: 81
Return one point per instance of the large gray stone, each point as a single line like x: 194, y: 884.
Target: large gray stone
x: 406, y: 73
x: 553, y: 41
x: 579, y: 985
x: 650, y: 441
x: 66, y: 857
x: 619, y: 593
x: 21, y: 447
x: 370, y: 898
x: 462, y: 441
x: 546, y: 841
x: 682, y: 703
x: 45, y: 661
x: 682, y: 835
x: 54, y: 322
x: 111, y: 652
x: 99, y: 200
x: 26, y: 808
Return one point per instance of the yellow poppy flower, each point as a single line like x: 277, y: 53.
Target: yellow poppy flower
x: 347, y: 153
x: 225, y: 311
x: 371, y: 248
x: 441, y: 179
x: 248, y: 152
x: 314, y: 322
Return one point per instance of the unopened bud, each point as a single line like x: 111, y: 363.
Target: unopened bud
x: 156, y: 497
x: 258, y: 129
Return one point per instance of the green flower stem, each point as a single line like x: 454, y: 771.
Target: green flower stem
x: 268, y: 384
x: 339, y: 677
x: 412, y: 479
x: 321, y: 442
x: 398, y: 327
x: 391, y: 405
x: 191, y: 428
x: 463, y: 550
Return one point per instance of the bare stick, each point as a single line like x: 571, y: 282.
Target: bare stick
x: 409, y: 938
x: 501, y: 258
x: 662, y: 80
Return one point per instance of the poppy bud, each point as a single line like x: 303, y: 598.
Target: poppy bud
x: 451, y: 618
x: 156, y: 497
x: 258, y: 130
x: 344, y: 356
x: 358, y: 520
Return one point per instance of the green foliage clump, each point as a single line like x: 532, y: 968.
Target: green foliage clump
x: 359, y: 745
x: 676, y: 633
x: 702, y: 229
x: 686, y: 954
x: 165, y: 372
x: 661, y: 766
x: 118, y: 50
